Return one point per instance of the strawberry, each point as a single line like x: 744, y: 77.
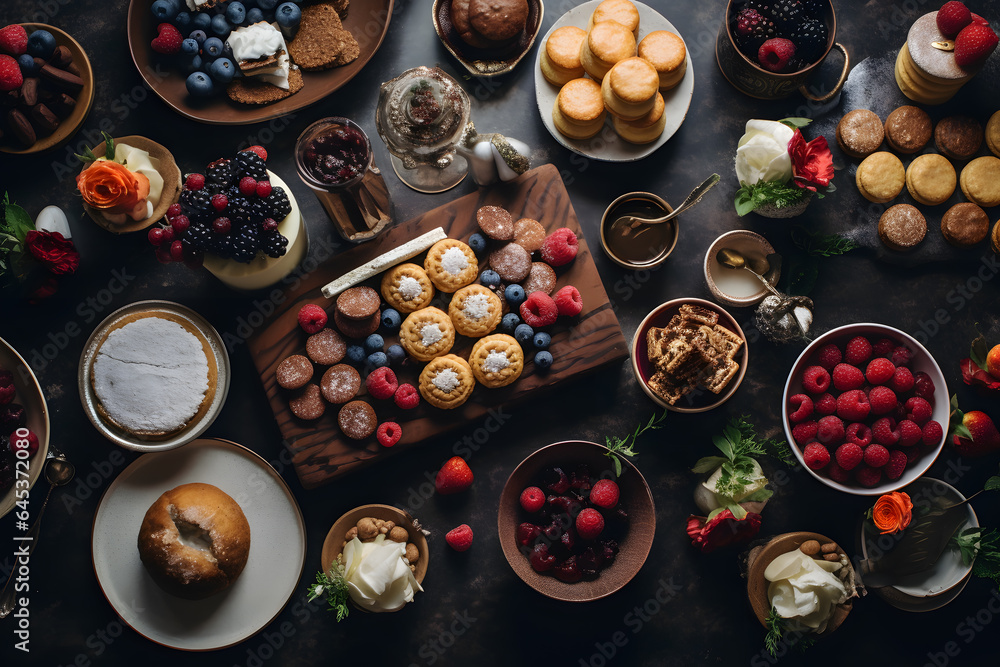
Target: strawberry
x: 13, y: 40
x: 459, y: 539
x: 952, y: 17
x: 976, y: 18
x: 168, y: 40
x: 974, y: 45
x: 973, y: 433
x: 453, y: 477
x: 10, y: 74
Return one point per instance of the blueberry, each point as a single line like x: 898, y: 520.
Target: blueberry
x: 543, y: 360
x: 515, y: 296
x: 524, y: 333
x: 201, y: 21
x: 194, y: 64
x: 220, y: 26
x: 198, y: 36
x: 200, y: 84
x: 509, y: 323
x: 489, y: 278
x: 222, y: 70
x: 355, y: 354
x: 190, y: 47
x: 254, y: 15
x: 391, y: 319
x: 27, y: 65
x: 374, y: 343
x: 182, y: 21
x: 267, y: 5
x: 542, y: 340
x: 396, y: 355
x: 288, y: 15
x: 477, y: 242
x: 236, y: 13
x: 213, y: 48
x: 41, y: 44
x: 377, y: 360
x: 164, y: 10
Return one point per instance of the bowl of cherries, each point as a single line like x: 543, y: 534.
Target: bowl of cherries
x: 569, y: 527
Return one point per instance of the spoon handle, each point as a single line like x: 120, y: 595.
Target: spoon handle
x: 697, y: 194
x: 31, y: 539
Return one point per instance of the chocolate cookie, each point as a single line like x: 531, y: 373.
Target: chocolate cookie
x: 340, y: 383
x: 964, y: 225
x: 498, y: 21
x: 495, y: 222
x: 908, y: 129
x: 958, y: 137
x: 541, y: 278
x: 902, y: 227
x: 308, y: 404
x: 357, y: 328
x: 860, y: 133
x: 326, y: 347
x: 357, y: 420
x: 294, y: 372
x: 460, y: 20
x: 358, y: 303
x: 511, y: 262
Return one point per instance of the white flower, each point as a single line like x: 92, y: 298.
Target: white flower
x: 378, y: 579
x: 762, y: 154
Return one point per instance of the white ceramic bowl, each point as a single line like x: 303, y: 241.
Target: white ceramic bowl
x: 738, y: 287
x: 922, y: 361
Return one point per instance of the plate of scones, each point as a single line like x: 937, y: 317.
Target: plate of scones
x: 613, y: 80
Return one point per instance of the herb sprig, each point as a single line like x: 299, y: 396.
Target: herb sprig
x: 981, y: 547
x: 15, y: 223
x: 618, y: 447
x: 776, y: 629
x: 109, y: 150
x: 821, y: 245
x: 781, y: 195
x: 333, y: 588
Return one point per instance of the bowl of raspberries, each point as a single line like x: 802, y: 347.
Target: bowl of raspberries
x: 866, y: 409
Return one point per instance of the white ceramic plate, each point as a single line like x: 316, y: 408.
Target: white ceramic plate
x: 277, y: 547
x: 936, y: 587
x: 29, y: 394
x: 608, y: 146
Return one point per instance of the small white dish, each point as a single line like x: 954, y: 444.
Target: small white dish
x: 738, y: 287
x: 273, y: 570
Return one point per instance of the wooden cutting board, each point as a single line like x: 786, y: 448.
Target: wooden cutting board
x: 320, y: 452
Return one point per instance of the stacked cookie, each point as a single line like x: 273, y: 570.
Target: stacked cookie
x: 491, y: 25
x: 603, y: 71
x: 925, y: 70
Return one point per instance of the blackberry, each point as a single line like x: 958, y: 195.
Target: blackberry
x: 278, y: 200
x: 249, y: 163
x: 260, y: 209
x: 751, y: 30
x: 197, y: 235
x: 810, y: 40
x: 786, y: 14
x: 220, y: 172
x: 196, y: 204
x: 813, y: 8
x: 239, y: 210
x: 220, y: 245
x: 274, y: 244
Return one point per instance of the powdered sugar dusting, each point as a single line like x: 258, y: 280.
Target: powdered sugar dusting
x: 476, y: 306
x: 495, y: 362
x: 446, y: 380
x: 409, y: 288
x: 430, y: 334
x: 454, y: 261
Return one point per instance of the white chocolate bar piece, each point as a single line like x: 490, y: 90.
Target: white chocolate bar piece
x: 383, y: 262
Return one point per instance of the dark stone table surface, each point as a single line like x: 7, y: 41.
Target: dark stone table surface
x: 475, y: 610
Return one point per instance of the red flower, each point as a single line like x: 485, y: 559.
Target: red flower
x: 58, y: 254
x: 723, y: 530
x: 812, y: 162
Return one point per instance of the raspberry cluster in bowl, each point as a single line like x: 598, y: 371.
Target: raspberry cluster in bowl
x: 781, y: 35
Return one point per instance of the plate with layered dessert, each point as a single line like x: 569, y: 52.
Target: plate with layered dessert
x: 218, y: 62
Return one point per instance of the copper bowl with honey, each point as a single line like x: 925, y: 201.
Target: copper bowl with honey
x: 646, y: 247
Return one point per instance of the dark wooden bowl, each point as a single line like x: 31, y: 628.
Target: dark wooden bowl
x: 635, y: 498
x: 333, y: 545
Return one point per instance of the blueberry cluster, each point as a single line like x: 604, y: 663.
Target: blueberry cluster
x: 373, y: 353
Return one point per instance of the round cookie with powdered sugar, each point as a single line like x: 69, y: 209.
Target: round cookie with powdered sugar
x: 475, y: 310
x: 451, y: 264
x: 407, y: 288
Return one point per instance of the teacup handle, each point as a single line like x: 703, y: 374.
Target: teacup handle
x: 840, y: 83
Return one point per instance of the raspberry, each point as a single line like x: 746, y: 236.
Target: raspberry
x: 10, y: 74
x: 539, y: 310
x: 803, y: 408
x: 219, y: 225
x: 902, y: 380
x: 853, y: 406
x: 816, y: 456
x: 883, y: 400
x: 560, y: 247
x: 859, y: 434
x: 532, y: 499
x: 829, y: 356
x: 901, y: 356
x: 952, y: 17
x: 830, y: 429
x: 312, y: 318
x: 825, y: 404
x: 883, y: 348
x: 858, y: 351
x: 388, y: 434
x: 589, y: 523
x: 155, y: 236
x: 923, y: 386
x: 804, y: 432
x: 32, y: 445
x: 816, y: 380
x: 868, y: 477
x: 459, y: 539
x: 604, y: 494
x: 909, y: 433
x: 837, y: 473
x: 382, y: 383
x: 259, y: 150
x: 775, y: 54
x: 879, y: 371
x: 876, y: 456
x: 407, y: 397
x: 263, y: 189
x: 897, y: 464
x: 173, y: 211
x: 912, y: 453
x: 194, y: 182
x: 847, y: 377
x: 568, y: 301
x: 168, y: 40
x: 14, y: 40
x: 849, y: 455
x: 932, y: 434
x: 884, y: 432
x: 918, y: 410
x: 219, y: 202
x: 248, y: 186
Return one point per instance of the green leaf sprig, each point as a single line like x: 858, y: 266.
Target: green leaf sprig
x: 333, y: 588
x: 15, y: 223
x: 618, y: 447
x: 981, y: 547
x: 821, y: 245
x: 781, y: 195
x: 775, y: 631
x: 109, y: 150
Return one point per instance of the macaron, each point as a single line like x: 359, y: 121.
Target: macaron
x: 995, y: 238
x: 902, y: 227
x: 880, y: 177
x: 964, y: 225
x: 860, y: 133
x: 908, y: 129
x: 980, y: 181
x: 958, y: 137
x: 931, y: 179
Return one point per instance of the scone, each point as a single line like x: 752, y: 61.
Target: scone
x: 931, y: 179
x: 475, y: 311
x: 908, y: 129
x: 980, y: 181
x: 607, y: 43
x: 964, y: 225
x: 620, y: 11
x: 630, y: 88
x: 646, y: 129
x: 993, y: 134
x: 902, y: 227
x: 406, y: 287
x: 446, y: 382
x: 560, y: 59
x: 666, y: 52
x: 450, y: 264
x: 860, y: 133
x: 579, y: 109
x: 496, y: 360
x: 426, y: 334
x: 880, y: 177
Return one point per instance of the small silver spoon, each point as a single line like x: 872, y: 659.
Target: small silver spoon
x: 58, y: 471
x: 627, y: 223
x: 735, y: 260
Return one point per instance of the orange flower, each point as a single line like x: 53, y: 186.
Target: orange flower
x: 111, y: 187
x: 892, y: 512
